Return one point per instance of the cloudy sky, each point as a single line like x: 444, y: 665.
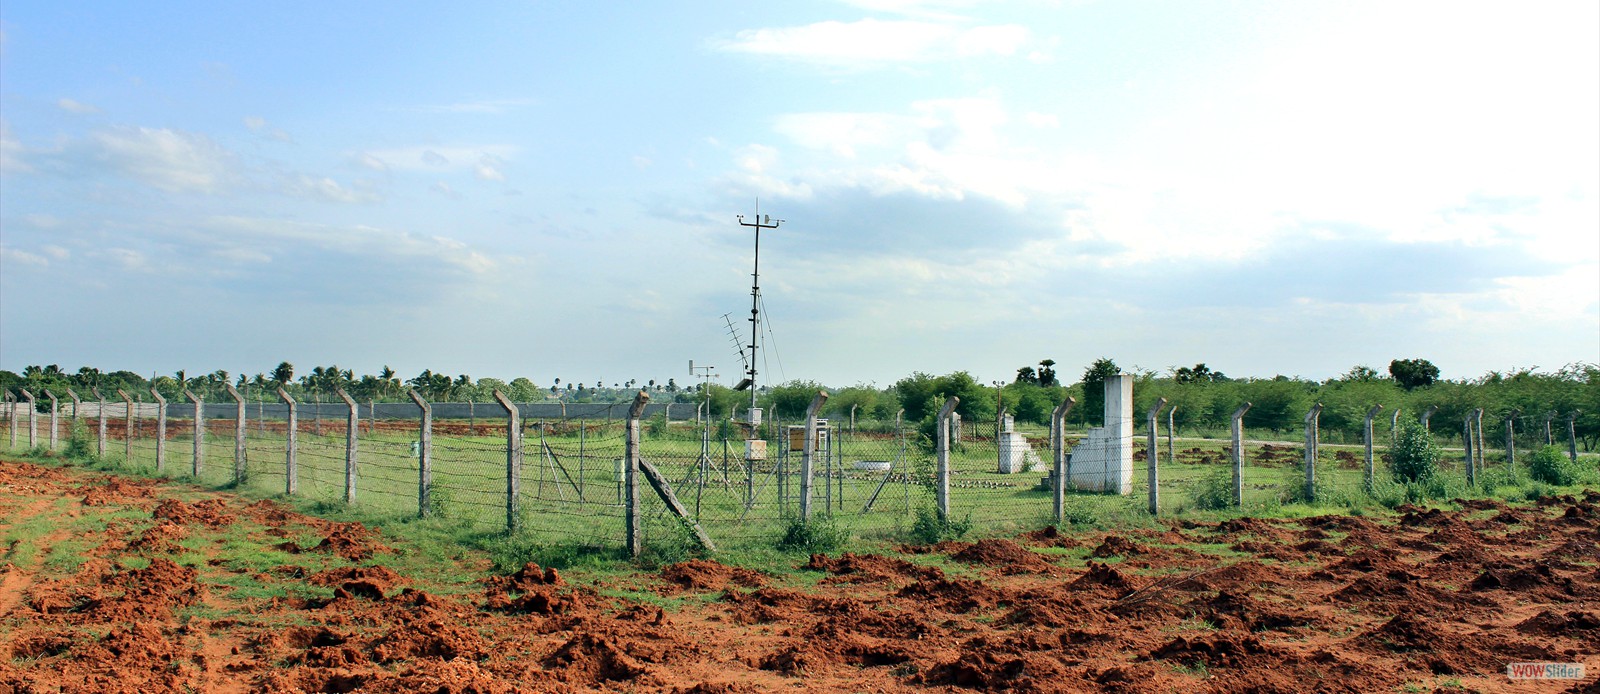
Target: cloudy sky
x: 549, y: 189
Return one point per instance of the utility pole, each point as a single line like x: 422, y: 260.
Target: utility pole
x: 755, y: 294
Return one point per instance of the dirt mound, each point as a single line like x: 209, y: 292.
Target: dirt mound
x: 1218, y: 651
x: 767, y: 605
x: 704, y: 575
x: 116, y: 490
x: 871, y: 568
x: 360, y: 581
x: 989, y: 666
x: 1538, y: 578
x: 1101, y: 577
x: 211, y: 513
x: 1117, y: 546
x: 353, y: 541
x: 529, y: 577
x: 1009, y: 556
x: 431, y: 639
x: 147, y: 594
x: 954, y: 595
x: 1445, y: 652
x: 1050, y: 536
x: 161, y: 538
x: 1551, y: 623
x: 1231, y: 610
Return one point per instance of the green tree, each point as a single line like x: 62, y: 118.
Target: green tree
x: 1413, y: 373
x: 1092, y: 411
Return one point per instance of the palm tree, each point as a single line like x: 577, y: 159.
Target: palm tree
x: 283, y: 375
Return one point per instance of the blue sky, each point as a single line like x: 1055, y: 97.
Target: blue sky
x: 550, y: 189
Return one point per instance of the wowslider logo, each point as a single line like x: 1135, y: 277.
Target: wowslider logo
x: 1544, y: 671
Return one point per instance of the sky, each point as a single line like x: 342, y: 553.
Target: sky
x: 551, y: 189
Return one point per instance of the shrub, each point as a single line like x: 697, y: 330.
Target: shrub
x: 1551, y: 466
x: 1413, y: 454
x: 818, y: 535
x: 1215, y: 492
x: 929, y: 528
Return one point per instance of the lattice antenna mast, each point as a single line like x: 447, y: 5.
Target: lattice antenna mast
x: 738, y: 342
x: 755, y: 294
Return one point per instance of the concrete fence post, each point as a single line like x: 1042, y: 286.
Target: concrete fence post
x: 11, y: 417
x: 1311, y: 451
x: 1466, y: 442
x: 1394, y: 422
x: 1479, y: 448
x: 1511, y: 437
x: 1059, y: 469
x: 241, y: 423
x: 100, y: 438
x: 808, y: 449
x: 853, y: 419
x: 1152, y: 455
x: 424, y: 456
x: 1572, y: 435
x: 513, y: 462
x: 55, y: 413
x: 199, y: 431
x: 291, y: 468
x: 941, y: 489
x: 1172, y: 458
x: 161, y: 428
x: 1366, y: 437
x: 33, y: 419
x: 127, y: 426
x: 1238, y: 453
x: 372, y: 417
x: 1427, y: 415
x: 76, y: 404
x: 352, y: 430
x: 634, y: 515
x: 1549, y: 440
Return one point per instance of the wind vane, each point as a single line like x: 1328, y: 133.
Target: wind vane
x: 760, y: 223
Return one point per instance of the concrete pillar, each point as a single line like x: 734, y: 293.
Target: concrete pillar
x: 808, y: 449
x: 291, y: 468
x: 1152, y: 455
x: 199, y: 431
x: 55, y: 428
x: 633, y: 514
x: 424, y: 456
x: 11, y: 417
x: 76, y: 403
x: 1119, y: 429
x: 514, y: 460
x: 1549, y: 440
x: 1394, y: 422
x: 941, y: 490
x: 352, y: 430
x: 1427, y: 415
x: 1172, y: 458
x: 1059, y: 469
x: 241, y: 423
x: 1366, y: 431
x: 33, y: 419
x: 101, y: 436
x: 1466, y: 438
x: 127, y: 427
x: 1572, y: 435
x: 161, y: 429
x: 1311, y: 451
x: 1511, y: 437
x: 1238, y: 454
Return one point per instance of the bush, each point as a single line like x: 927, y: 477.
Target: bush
x: 1413, y: 454
x: 1552, y: 466
x: 1215, y: 492
x: 819, y: 535
x: 929, y: 528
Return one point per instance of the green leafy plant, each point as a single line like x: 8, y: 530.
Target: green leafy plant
x: 1552, y: 466
x: 929, y: 528
x: 1413, y: 454
x: 820, y: 534
x: 1215, y: 491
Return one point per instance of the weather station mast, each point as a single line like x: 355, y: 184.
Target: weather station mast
x: 755, y: 447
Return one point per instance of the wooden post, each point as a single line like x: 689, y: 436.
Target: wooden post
x: 807, y: 450
x: 240, y: 424
x: 1058, y: 457
x: 161, y: 429
x: 199, y: 431
x: 1311, y: 451
x: 1152, y: 455
x: 291, y: 470
x: 352, y: 429
x: 33, y: 419
x: 630, y: 477
x: 1238, y: 454
x: 55, y: 409
x: 1366, y: 437
x: 127, y: 427
x: 424, y: 456
x: 513, y: 462
x: 101, y: 437
x: 941, y: 489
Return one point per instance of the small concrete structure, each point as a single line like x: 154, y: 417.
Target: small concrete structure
x: 1103, y: 460
x: 1015, y: 453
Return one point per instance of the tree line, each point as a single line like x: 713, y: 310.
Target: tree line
x: 1204, y: 399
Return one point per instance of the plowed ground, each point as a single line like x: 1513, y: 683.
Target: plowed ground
x: 113, y: 584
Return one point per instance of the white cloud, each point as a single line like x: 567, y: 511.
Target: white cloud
x: 444, y: 189
x: 260, y: 126
x: 169, y: 160
x: 870, y: 42
x: 75, y: 106
x: 326, y: 189
x: 41, y: 221
x: 9, y: 254
x: 434, y: 158
x: 11, y: 152
x: 488, y: 168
